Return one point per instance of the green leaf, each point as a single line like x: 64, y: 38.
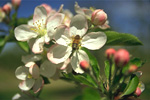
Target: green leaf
x: 115, y: 38
x: 132, y: 85
x: 84, y: 79
x: 107, y: 69
x: 46, y: 81
x: 2, y: 43
x: 89, y: 94
x: 24, y: 46
x: 94, y: 63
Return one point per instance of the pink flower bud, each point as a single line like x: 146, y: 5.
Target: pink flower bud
x: 110, y: 53
x: 47, y: 7
x: 132, y: 68
x: 7, y: 8
x: 121, y: 57
x: 99, y: 17
x: 138, y: 91
x: 16, y: 3
x: 84, y: 65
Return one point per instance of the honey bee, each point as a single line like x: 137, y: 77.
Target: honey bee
x: 76, y: 42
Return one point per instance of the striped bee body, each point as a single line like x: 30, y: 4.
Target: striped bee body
x: 76, y: 42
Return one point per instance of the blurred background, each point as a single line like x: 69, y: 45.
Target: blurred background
x: 125, y: 16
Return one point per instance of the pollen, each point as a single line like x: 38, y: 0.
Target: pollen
x: 40, y: 27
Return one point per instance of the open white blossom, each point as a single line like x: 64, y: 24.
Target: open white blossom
x: 70, y: 40
x: 42, y: 30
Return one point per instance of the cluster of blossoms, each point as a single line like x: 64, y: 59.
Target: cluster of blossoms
x: 6, y: 9
x: 65, y: 35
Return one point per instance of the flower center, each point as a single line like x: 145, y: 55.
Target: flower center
x: 29, y: 76
x: 76, y: 42
x: 40, y: 27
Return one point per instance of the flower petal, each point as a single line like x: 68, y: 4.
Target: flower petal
x: 27, y: 84
x: 38, y: 85
x: 53, y: 22
x: 38, y: 45
x: 22, y: 72
x: 78, y: 56
x: 94, y: 40
x: 29, y: 64
x: 59, y: 53
x: 62, y: 36
x: 74, y: 31
x: 39, y: 15
x: 29, y: 58
x: 78, y: 9
x: 24, y: 33
x: 34, y: 71
x: 79, y: 21
x: 30, y: 23
x: 48, y: 69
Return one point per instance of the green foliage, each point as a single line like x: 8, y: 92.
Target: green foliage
x: 81, y: 78
x: 2, y: 42
x: 107, y: 69
x: 116, y: 38
x: 24, y: 46
x: 89, y: 94
x: 131, y: 86
x: 93, y: 63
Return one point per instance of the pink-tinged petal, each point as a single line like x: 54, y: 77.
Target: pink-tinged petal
x: 62, y: 36
x: 34, y: 71
x: 22, y: 72
x: 38, y: 85
x: 24, y: 33
x: 78, y: 56
x: 38, y: 45
x: 29, y: 64
x: 53, y: 22
x: 31, y: 58
x: 27, y: 84
x: 48, y: 69
x: 78, y: 9
x: 94, y: 40
x: 59, y: 53
x: 65, y: 64
x: 39, y: 15
x: 79, y: 21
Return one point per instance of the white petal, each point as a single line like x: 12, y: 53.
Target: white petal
x: 38, y: 45
x: 78, y: 9
x: 79, y: 21
x: 38, y: 85
x: 94, y: 40
x: 16, y: 96
x: 78, y: 56
x: 74, y: 31
x: 34, y: 71
x: 30, y: 23
x: 29, y: 64
x: 65, y: 64
x: 59, y: 53
x: 39, y: 15
x: 29, y: 58
x: 53, y: 22
x: 24, y: 33
x: 27, y: 84
x: 22, y: 72
x: 62, y: 36
x: 48, y: 69
x: 47, y: 38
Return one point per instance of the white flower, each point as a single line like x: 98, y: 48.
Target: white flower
x: 42, y: 30
x: 30, y: 76
x: 70, y: 40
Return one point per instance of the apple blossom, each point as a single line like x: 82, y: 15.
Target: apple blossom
x: 16, y: 3
x: 42, y: 30
x: 47, y: 7
x: 70, y: 40
x: 110, y: 53
x: 84, y: 65
x: 132, y: 68
x: 7, y: 8
x: 90, y: 15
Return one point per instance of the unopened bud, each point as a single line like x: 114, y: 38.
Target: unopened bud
x: 98, y: 17
x: 110, y: 53
x: 7, y: 8
x: 84, y: 65
x: 132, y: 68
x: 16, y: 3
x: 121, y: 57
x: 2, y: 15
x: 138, y: 91
x: 47, y: 7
